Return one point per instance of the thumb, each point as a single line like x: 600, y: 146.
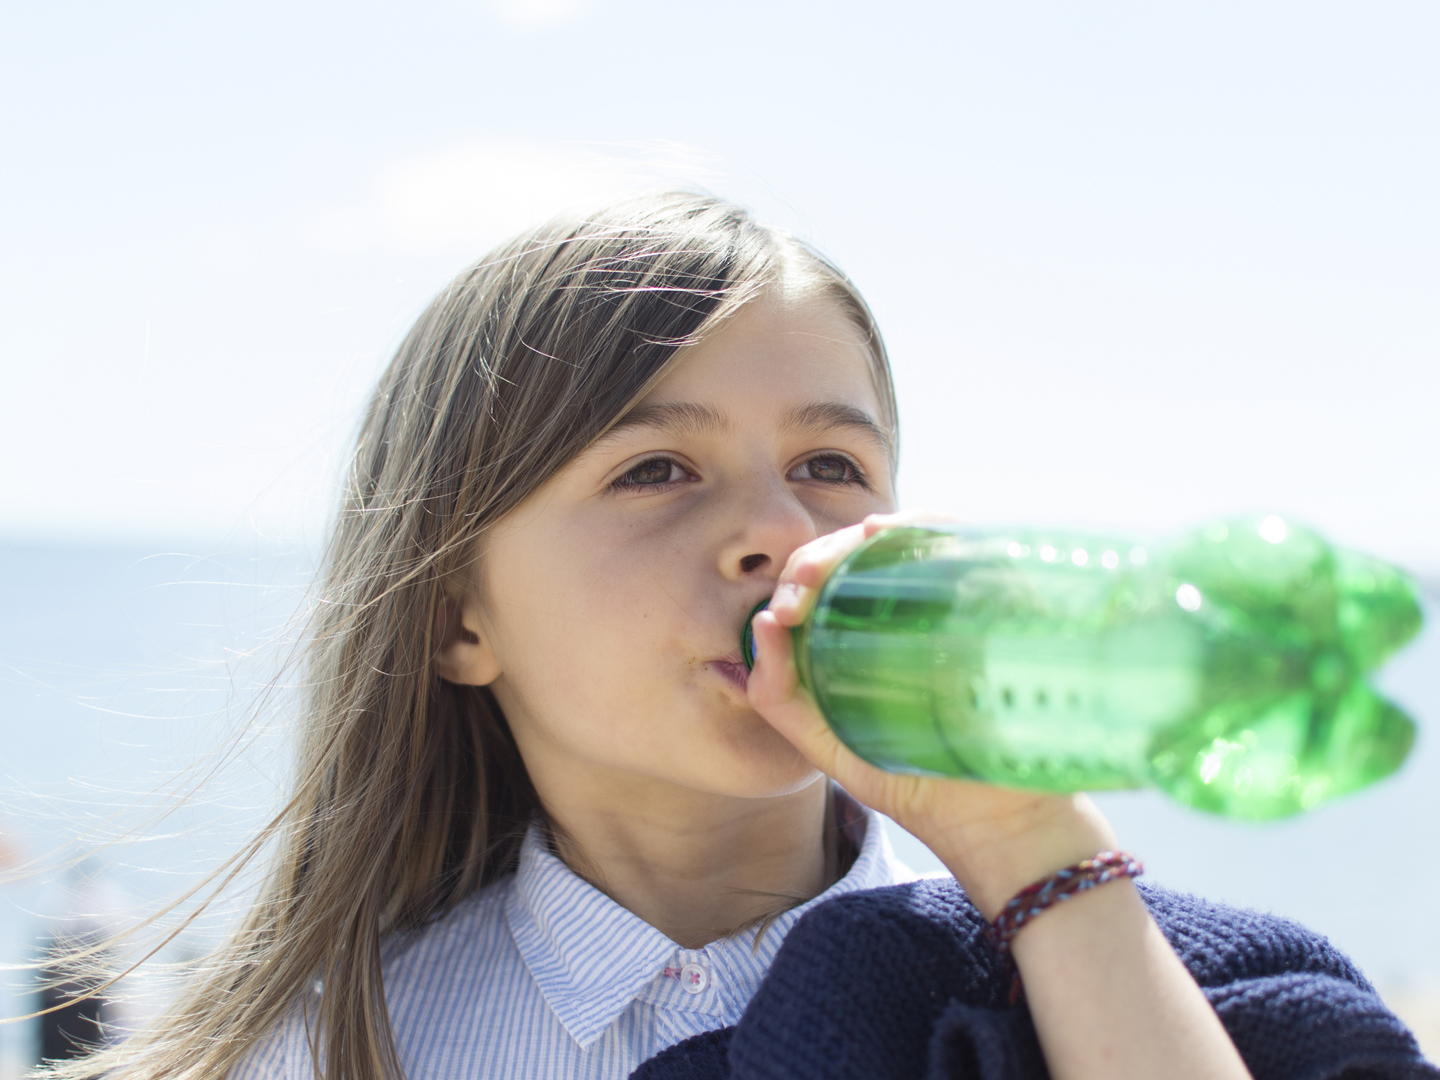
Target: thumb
x: 776, y: 694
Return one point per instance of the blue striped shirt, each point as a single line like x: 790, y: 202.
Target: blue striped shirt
x: 542, y: 975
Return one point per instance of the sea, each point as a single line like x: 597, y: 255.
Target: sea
x: 144, y: 696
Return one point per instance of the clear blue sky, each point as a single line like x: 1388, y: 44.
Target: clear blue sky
x: 1137, y: 263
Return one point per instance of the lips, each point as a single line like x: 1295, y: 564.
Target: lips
x: 732, y: 669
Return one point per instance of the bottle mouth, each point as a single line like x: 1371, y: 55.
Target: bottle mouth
x: 747, y: 635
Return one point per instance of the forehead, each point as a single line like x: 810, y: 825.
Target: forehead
x: 776, y: 347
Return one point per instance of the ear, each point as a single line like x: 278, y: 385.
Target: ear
x: 462, y: 654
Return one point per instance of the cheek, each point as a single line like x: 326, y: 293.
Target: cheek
x: 600, y: 667
x: 602, y: 640
x: 587, y: 636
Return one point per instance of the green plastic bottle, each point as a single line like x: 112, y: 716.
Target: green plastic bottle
x: 1227, y: 667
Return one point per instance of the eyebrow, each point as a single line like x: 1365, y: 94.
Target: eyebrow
x: 681, y: 418
x: 674, y: 418
x: 828, y: 415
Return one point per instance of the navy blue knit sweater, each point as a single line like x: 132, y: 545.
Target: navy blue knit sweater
x: 901, y: 982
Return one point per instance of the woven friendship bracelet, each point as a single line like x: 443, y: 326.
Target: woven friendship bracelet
x: 1035, y: 899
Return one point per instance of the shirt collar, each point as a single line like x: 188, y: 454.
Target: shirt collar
x: 591, y: 958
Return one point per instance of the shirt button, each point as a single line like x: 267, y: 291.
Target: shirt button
x: 694, y: 978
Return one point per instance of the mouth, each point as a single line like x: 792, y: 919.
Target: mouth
x: 733, y: 670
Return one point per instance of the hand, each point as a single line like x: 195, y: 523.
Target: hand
x: 994, y: 840
x: 1108, y: 996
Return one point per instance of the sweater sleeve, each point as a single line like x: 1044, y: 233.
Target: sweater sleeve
x: 1307, y: 1026
x: 1286, y: 1027
x: 1295, y: 1006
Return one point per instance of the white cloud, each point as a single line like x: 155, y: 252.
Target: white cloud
x: 471, y: 195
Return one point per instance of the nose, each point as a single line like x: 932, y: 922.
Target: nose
x: 770, y: 523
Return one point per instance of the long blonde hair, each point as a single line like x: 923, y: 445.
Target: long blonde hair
x: 410, y: 793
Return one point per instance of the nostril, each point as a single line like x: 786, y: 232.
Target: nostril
x: 753, y: 562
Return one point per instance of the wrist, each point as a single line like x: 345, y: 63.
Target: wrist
x: 995, y: 858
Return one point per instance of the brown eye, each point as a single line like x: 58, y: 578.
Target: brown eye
x: 650, y: 473
x: 831, y: 470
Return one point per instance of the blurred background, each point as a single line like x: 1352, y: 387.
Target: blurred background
x: 1137, y: 265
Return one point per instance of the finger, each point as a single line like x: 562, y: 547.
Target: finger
x: 811, y: 564
x: 776, y: 694
x: 774, y: 688
x: 878, y: 522
x: 806, y: 570
x: 773, y: 679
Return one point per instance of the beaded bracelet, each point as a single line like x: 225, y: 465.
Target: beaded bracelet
x: 1040, y: 897
x: 1061, y: 885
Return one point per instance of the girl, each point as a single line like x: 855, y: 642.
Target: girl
x: 543, y: 825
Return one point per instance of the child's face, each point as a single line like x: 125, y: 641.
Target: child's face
x: 615, y: 595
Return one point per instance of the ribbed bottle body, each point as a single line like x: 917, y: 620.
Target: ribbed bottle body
x: 1226, y: 667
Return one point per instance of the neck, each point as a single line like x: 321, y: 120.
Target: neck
x: 695, y: 865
